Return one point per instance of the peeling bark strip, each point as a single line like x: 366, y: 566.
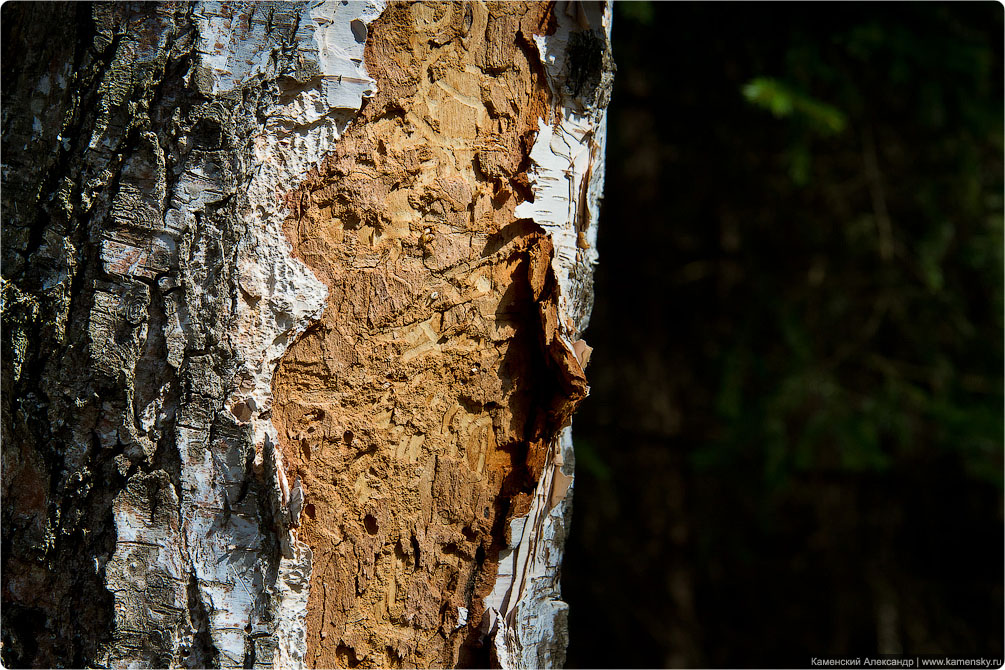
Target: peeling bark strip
x: 426, y: 414
x: 530, y: 628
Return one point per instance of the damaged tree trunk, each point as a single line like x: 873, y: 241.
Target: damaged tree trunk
x: 292, y: 301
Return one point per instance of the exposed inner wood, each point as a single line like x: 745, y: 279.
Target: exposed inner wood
x: 417, y: 413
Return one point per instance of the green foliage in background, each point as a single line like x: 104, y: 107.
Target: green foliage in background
x: 783, y: 100
x: 796, y: 389
x: 874, y: 335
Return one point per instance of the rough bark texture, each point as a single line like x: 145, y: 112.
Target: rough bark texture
x: 147, y: 295
x: 411, y: 505
x: 419, y: 411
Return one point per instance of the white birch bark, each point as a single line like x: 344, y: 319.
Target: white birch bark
x: 530, y: 626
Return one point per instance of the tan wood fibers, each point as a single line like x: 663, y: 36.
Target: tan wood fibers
x: 418, y: 411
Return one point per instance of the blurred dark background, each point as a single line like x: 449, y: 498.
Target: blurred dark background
x: 793, y: 445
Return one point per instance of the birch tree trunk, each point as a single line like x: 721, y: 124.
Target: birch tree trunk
x: 292, y: 301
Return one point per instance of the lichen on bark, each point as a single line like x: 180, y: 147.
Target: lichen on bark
x: 142, y: 523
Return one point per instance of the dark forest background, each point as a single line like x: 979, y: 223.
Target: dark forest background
x: 793, y: 445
